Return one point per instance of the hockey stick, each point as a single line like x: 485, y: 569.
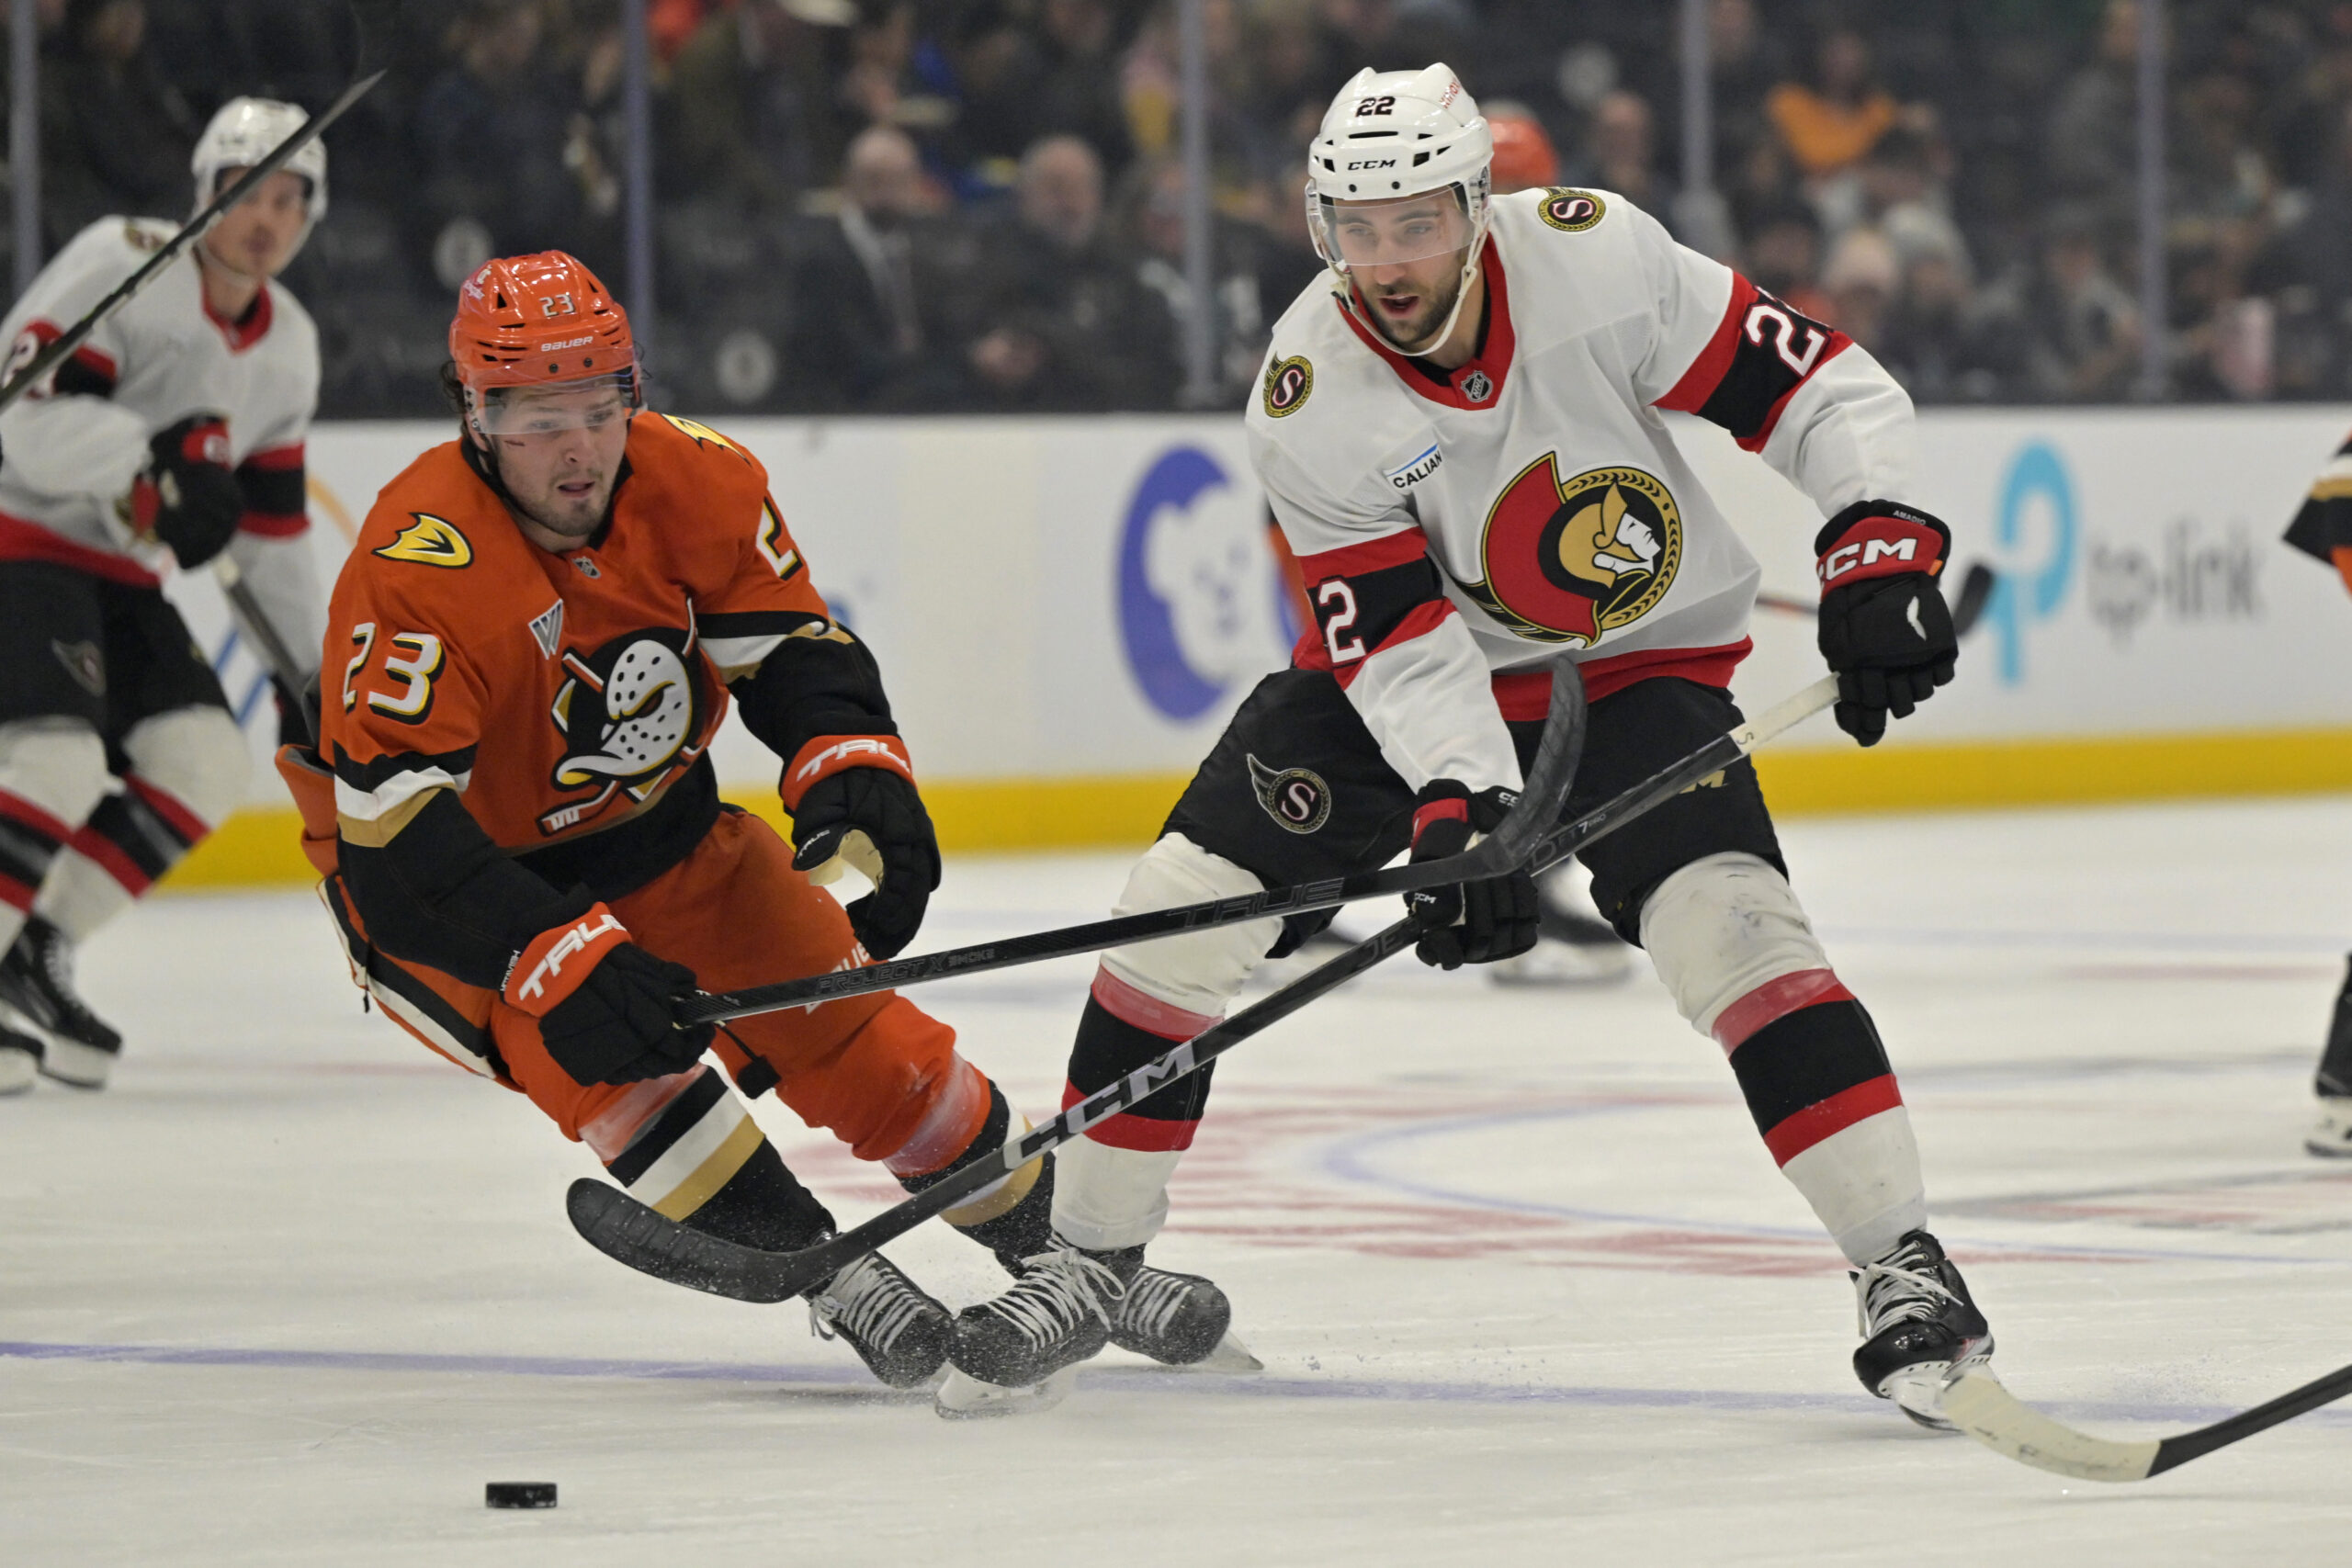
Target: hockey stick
x: 1538, y: 803
x: 1976, y: 585
x: 273, y: 649
x: 51, y: 356
x: 1993, y: 1415
x: 625, y: 1230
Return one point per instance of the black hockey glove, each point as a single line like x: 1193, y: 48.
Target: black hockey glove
x: 871, y: 819
x: 1885, y: 630
x: 1467, y: 922
x: 607, y: 1009
x: 187, y: 495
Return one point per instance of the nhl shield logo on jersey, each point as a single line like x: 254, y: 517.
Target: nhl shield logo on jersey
x: 1570, y: 560
x: 1289, y: 383
x: 1570, y: 212
x: 1297, y: 798
x: 629, y: 713
x: 1477, y: 386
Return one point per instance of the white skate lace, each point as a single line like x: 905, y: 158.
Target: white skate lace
x: 1060, y: 1287
x: 1894, y: 1289
x: 872, y: 1302
x: 1151, y: 1301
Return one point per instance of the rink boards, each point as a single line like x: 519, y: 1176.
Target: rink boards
x: 1067, y: 610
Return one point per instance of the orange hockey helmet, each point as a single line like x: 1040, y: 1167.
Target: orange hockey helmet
x: 538, y: 322
x: 1524, y: 154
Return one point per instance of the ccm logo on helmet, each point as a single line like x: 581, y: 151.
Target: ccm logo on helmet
x: 1866, y: 552
x: 579, y: 939
x: 1355, y: 163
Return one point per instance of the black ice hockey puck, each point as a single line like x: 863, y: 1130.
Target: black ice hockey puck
x: 519, y: 1494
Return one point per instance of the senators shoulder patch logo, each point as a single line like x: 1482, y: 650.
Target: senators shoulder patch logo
x: 1289, y: 383
x: 1570, y: 212
x: 430, y: 541
x: 1297, y: 798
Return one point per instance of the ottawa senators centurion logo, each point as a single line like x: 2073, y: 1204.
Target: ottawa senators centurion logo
x: 628, y: 714
x: 1568, y: 561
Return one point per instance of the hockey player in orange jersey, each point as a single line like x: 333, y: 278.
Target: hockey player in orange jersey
x: 540, y: 628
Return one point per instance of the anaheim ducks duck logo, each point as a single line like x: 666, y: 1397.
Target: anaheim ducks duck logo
x: 1567, y: 561
x: 628, y: 714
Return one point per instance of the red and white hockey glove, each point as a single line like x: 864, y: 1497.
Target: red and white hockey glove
x: 187, y: 495
x: 607, y: 1009
x: 854, y: 803
x: 1885, y: 630
x: 1467, y: 922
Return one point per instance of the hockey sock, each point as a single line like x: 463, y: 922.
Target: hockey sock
x: 2335, y: 1064
x: 129, y: 841
x: 1012, y: 1217
x: 30, y: 842
x: 1112, y: 1190
x: 51, y: 773
x: 1817, y: 1082
x: 686, y: 1148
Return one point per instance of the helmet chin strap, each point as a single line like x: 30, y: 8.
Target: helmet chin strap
x: 1347, y: 300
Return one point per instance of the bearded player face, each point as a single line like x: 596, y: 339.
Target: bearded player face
x: 558, y: 451
x: 1406, y: 259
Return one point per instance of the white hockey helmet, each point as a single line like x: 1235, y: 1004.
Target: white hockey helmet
x: 1391, y: 136
x: 245, y: 132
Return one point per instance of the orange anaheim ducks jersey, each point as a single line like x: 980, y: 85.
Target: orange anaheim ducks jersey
x: 561, y: 695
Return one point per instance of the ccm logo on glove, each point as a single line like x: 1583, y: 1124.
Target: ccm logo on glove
x: 542, y: 965
x: 1883, y: 541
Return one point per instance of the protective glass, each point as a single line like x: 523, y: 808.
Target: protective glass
x: 1358, y: 234
x: 553, y: 407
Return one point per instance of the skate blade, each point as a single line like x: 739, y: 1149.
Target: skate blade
x: 964, y: 1397
x: 17, y: 1070
x: 72, y: 1063
x: 1230, y: 1356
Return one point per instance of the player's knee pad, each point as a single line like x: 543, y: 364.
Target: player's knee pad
x: 196, y: 755
x: 1200, y: 971
x: 57, y: 766
x: 1722, y: 928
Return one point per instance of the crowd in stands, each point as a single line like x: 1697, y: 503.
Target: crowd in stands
x: 977, y: 205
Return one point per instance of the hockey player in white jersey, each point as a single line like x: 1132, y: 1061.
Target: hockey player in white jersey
x: 174, y: 435
x: 1459, y: 432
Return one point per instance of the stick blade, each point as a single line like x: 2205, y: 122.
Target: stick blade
x: 1976, y: 585
x: 627, y: 1231
x: 1980, y: 1406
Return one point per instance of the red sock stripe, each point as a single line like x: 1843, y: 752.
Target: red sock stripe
x: 1826, y: 1118
x: 15, y: 894
x: 109, y: 857
x: 1774, y: 1000
x: 184, y: 822
x: 17, y: 809
x: 1145, y: 1012
x: 1144, y: 1134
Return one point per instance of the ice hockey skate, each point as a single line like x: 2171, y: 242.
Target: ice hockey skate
x: 19, y: 1061
x: 1178, y: 1320
x: 1014, y: 1353
x: 37, y: 987
x: 899, y: 1332
x: 1920, y: 1328
x: 2331, y: 1135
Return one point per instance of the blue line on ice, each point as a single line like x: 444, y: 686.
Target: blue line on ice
x: 1123, y: 1378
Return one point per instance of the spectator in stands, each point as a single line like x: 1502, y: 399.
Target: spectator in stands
x: 490, y: 137
x: 1620, y: 154
x: 114, y: 132
x: 2083, y: 329
x: 1860, y: 277
x: 1830, y: 122
x: 1524, y: 157
x: 1785, y: 258
x: 751, y: 120
x: 1151, y: 225
x: 1904, y: 198
x: 1079, y: 91
x: 865, y: 323
x: 1944, y: 344
x: 2090, y: 154
x: 1062, y: 323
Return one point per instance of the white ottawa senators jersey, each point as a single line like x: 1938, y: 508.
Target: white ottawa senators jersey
x: 1540, y: 478
x: 72, y: 447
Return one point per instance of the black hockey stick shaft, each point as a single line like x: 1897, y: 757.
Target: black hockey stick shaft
x: 2188, y: 1446
x: 55, y: 352
x: 1540, y: 802
x: 1978, y: 1403
x: 275, y: 650
x: 625, y: 1230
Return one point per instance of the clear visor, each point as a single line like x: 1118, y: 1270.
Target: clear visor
x: 590, y: 404
x: 1358, y: 234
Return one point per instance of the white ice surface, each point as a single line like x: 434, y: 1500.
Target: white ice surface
x: 1528, y: 1287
